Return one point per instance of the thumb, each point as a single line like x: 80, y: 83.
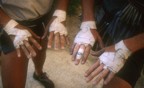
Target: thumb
x: 97, y: 53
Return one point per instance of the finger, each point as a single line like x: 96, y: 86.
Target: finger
x: 18, y: 52
x: 67, y: 40
x: 28, y: 55
x: 35, y: 43
x: 86, y: 53
x: 45, y: 35
x: 75, y: 51
x: 29, y: 48
x: 103, y: 74
x: 92, y: 68
x: 108, y: 78
x: 72, y: 48
x: 95, y: 73
x: 56, y: 41
x: 45, y: 31
x: 33, y: 34
x: 98, y: 53
x: 79, y: 54
x: 50, y: 39
x: 63, y: 41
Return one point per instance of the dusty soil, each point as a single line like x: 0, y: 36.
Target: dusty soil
x: 61, y: 69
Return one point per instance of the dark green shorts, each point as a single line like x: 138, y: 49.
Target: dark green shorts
x: 6, y: 44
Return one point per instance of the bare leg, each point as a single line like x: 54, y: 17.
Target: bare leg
x: 40, y: 58
x: 14, y: 70
x: 117, y: 82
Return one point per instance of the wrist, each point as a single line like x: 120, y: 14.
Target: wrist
x: 120, y: 46
x: 4, y: 21
x: 88, y: 24
x: 135, y: 43
x: 61, y: 14
x: 10, y: 24
x: 4, y: 18
x: 88, y: 18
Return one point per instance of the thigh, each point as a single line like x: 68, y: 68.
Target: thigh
x: 14, y: 70
x: 133, y: 67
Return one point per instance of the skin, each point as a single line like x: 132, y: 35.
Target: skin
x: 13, y: 70
x: 88, y: 15
x: 15, y: 63
x: 60, y: 41
x: 133, y: 44
x: 26, y: 47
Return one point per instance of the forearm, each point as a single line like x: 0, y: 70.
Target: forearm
x: 88, y: 10
x: 135, y: 43
x: 62, y: 4
x: 4, y: 18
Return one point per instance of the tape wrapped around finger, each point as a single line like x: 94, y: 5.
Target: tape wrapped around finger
x: 80, y: 53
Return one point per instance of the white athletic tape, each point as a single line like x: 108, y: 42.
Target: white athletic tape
x: 11, y: 24
x: 125, y: 51
x: 20, y: 34
x: 90, y: 24
x: 60, y: 14
x: 105, y: 67
x: 113, y: 61
x: 85, y: 36
x: 57, y: 26
x: 80, y: 53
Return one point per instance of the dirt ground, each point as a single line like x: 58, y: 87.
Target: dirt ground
x: 62, y: 70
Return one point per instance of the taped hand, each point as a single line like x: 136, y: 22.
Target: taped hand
x: 58, y: 32
x: 84, y: 41
x: 22, y: 39
x: 109, y: 63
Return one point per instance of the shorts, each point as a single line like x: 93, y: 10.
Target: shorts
x: 6, y: 44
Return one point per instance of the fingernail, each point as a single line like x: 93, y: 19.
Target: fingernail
x: 62, y: 47
x: 72, y: 59
x: 56, y: 48
x: 48, y: 46
x: 94, y: 82
x: 19, y: 55
x: 83, y: 62
x: 40, y: 48
x: 34, y: 54
x: 105, y: 83
x: 87, y: 80
x: 76, y: 63
x: 85, y: 74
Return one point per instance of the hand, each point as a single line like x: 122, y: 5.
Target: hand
x: 98, y: 70
x: 25, y: 39
x: 84, y: 41
x: 109, y: 63
x: 58, y: 34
